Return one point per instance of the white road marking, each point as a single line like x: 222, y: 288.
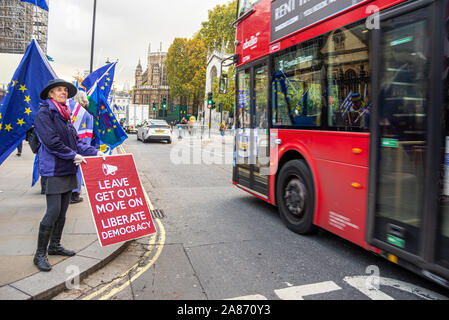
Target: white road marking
x: 251, y: 297
x: 299, y: 292
x: 359, y: 282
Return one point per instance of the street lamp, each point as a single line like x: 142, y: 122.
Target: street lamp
x: 93, y: 38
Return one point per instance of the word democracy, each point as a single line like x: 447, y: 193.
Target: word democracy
x: 123, y: 220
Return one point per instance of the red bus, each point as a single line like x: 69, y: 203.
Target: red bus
x: 342, y: 121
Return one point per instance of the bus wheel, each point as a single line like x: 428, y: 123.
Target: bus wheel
x: 296, y: 197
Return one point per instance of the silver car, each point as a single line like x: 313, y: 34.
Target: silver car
x: 154, y: 130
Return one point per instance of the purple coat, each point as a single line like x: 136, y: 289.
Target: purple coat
x: 59, y: 142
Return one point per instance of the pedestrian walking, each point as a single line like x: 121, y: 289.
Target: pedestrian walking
x: 60, y: 152
x: 222, y: 128
x: 19, y: 149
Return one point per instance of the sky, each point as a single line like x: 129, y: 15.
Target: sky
x: 124, y: 30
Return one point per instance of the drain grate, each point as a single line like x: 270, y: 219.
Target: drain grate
x: 157, y: 213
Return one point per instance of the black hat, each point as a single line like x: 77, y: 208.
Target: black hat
x: 57, y: 83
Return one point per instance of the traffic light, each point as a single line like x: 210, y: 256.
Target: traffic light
x: 164, y: 104
x: 220, y: 107
x: 154, y: 106
x: 209, y: 99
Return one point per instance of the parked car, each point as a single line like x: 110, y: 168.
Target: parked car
x: 154, y: 130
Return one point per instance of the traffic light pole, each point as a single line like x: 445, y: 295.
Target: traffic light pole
x: 210, y: 116
x: 221, y: 112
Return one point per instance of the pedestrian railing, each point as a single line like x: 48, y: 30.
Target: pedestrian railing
x: 196, y: 130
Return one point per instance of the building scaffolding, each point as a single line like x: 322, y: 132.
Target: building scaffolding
x: 19, y: 23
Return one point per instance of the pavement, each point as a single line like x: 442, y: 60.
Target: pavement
x: 21, y: 210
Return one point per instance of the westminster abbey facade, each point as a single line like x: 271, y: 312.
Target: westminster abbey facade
x: 151, y: 86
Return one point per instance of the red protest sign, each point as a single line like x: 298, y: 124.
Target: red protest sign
x: 116, y: 198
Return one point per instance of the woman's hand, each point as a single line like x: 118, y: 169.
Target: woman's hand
x: 78, y: 159
x: 101, y: 154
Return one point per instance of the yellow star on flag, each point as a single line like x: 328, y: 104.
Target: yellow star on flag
x: 84, y: 125
x: 13, y: 83
x: 107, y: 73
x: 20, y: 122
x: 28, y: 111
x: 22, y: 88
x: 74, y: 119
x: 108, y: 79
x: 106, y: 84
x: 0, y: 116
x: 27, y: 99
x: 8, y: 127
x: 1, y: 125
x: 102, y: 88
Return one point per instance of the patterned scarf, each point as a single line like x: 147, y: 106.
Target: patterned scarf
x: 63, y: 109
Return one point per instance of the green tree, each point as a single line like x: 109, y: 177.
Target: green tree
x: 219, y: 28
x: 186, y: 70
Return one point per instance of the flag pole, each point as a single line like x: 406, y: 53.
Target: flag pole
x: 37, y: 21
x: 93, y: 38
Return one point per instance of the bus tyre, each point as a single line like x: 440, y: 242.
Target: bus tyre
x: 295, y: 196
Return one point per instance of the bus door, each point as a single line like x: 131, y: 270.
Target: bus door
x: 442, y: 226
x: 404, y: 218
x: 252, y: 148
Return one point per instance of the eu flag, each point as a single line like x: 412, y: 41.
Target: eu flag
x: 19, y: 106
x: 102, y: 77
x: 40, y: 3
x: 106, y: 126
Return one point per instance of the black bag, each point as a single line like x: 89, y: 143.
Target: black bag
x: 33, y: 140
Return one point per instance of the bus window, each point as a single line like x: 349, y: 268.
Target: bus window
x: 347, y: 59
x: 261, y: 100
x: 245, y: 5
x: 243, y: 106
x: 296, y: 86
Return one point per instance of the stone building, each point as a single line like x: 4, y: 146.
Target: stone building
x: 2, y: 93
x: 151, y: 85
x: 213, y: 69
x: 19, y: 23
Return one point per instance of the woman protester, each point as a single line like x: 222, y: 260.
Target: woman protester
x: 60, y: 153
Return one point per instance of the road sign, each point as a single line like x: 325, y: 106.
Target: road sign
x: 116, y: 198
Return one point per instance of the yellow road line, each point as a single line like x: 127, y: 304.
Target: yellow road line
x: 135, y: 267
x: 151, y: 243
x: 141, y: 269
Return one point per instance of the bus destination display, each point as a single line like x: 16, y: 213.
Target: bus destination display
x: 288, y: 16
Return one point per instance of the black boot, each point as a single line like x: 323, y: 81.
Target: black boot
x: 55, y: 247
x: 76, y: 197
x: 40, y: 258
